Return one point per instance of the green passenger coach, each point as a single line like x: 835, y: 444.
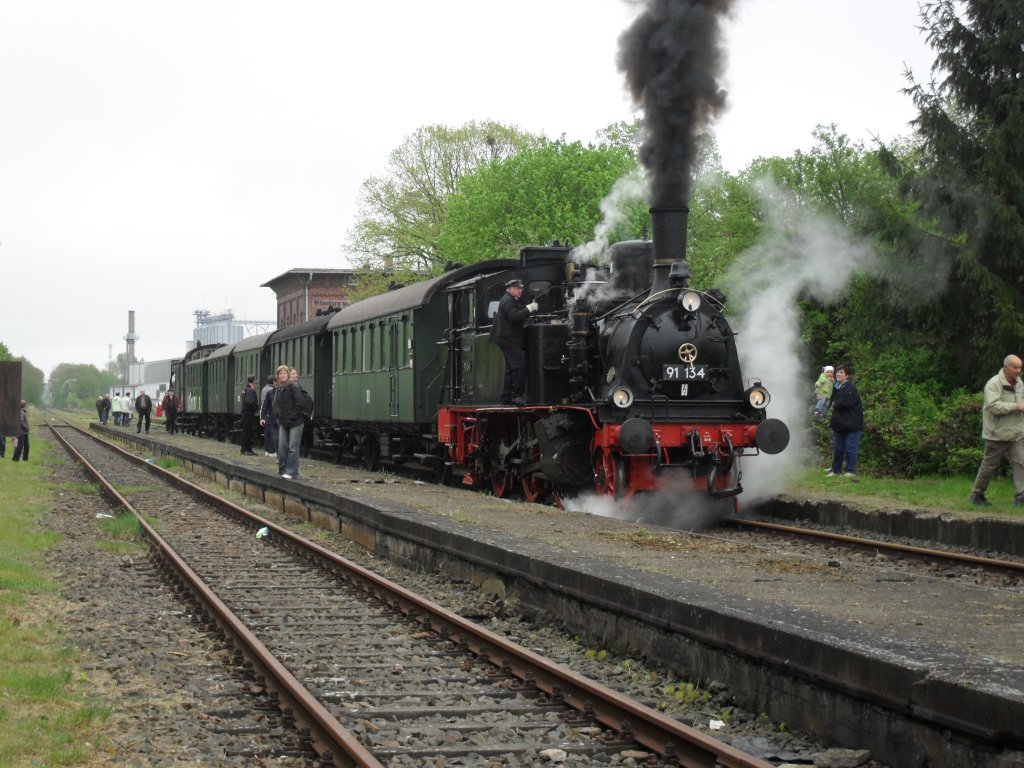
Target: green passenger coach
x: 390, y: 361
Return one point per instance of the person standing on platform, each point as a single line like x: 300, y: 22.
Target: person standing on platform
x: 1002, y: 428
x: 116, y: 407
x: 126, y: 410
x: 268, y: 419
x: 171, y: 405
x: 290, y: 423
x: 847, y: 423
x: 144, y: 407
x: 250, y: 407
x: 21, y: 449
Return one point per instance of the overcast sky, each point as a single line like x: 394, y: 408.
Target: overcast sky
x: 169, y: 157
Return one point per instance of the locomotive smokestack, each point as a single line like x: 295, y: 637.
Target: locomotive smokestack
x: 668, y: 231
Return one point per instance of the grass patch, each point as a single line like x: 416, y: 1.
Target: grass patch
x: 44, y: 720
x: 121, y: 533
x: 929, y: 492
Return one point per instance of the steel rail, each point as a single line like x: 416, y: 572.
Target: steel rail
x: 907, y: 549
x: 330, y: 738
x: 632, y: 720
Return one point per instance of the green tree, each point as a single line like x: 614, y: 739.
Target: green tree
x: 549, y: 192
x: 402, y: 214
x: 5, y: 354
x: 77, y: 385
x: 624, y: 135
x: 725, y: 220
x: 968, y: 179
x: 32, y: 381
x: 879, y: 306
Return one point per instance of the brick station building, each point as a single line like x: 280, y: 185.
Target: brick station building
x: 301, y: 293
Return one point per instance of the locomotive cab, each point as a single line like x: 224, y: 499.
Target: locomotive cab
x: 476, y: 367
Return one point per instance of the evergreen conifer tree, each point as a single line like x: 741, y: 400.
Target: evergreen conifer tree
x: 969, y: 181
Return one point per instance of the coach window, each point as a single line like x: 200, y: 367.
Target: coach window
x: 383, y: 345
x: 407, y: 340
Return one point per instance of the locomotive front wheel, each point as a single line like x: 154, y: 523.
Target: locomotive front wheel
x: 609, y: 474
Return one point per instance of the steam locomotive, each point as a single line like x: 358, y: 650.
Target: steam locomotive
x: 632, y: 378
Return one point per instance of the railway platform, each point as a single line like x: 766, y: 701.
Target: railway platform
x: 921, y: 669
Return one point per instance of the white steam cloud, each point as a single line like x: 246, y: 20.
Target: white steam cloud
x: 627, y: 190
x: 804, y: 253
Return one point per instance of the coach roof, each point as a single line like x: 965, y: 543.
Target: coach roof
x: 412, y: 296
x: 252, y: 342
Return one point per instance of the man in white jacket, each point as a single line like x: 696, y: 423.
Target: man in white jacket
x: 127, y: 406
x: 115, y: 406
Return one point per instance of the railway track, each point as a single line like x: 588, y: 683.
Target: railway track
x: 372, y: 673
x: 939, y: 558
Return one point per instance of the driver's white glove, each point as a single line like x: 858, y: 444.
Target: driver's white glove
x: 533, y: 306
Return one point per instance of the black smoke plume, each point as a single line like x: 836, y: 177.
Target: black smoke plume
x: 672, y: 59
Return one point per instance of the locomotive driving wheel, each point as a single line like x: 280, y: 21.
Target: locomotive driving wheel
x: 609, y: 473
x: 501, y: 482
x: 533, y: 488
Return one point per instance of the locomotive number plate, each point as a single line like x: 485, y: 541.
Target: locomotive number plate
x: 684, y: 373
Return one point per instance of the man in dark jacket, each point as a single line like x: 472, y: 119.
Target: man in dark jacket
x: 250, y: 407
x: 509, y: 334
x: 171, y: 405
x: 21, y: 449
x: 268, y: 419
x: 144, y: 407
x: 847, y: 423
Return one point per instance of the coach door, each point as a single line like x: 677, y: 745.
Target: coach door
x: 462, y: 345
x: 393, y: 362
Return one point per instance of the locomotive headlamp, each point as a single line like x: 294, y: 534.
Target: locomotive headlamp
x: 689, y: 300
x: 758, y: 397
x: 622, y: 397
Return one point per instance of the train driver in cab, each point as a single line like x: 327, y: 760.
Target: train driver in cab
x: 509, y: 334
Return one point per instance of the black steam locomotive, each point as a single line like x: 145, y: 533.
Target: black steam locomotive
x: 632, y: 378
